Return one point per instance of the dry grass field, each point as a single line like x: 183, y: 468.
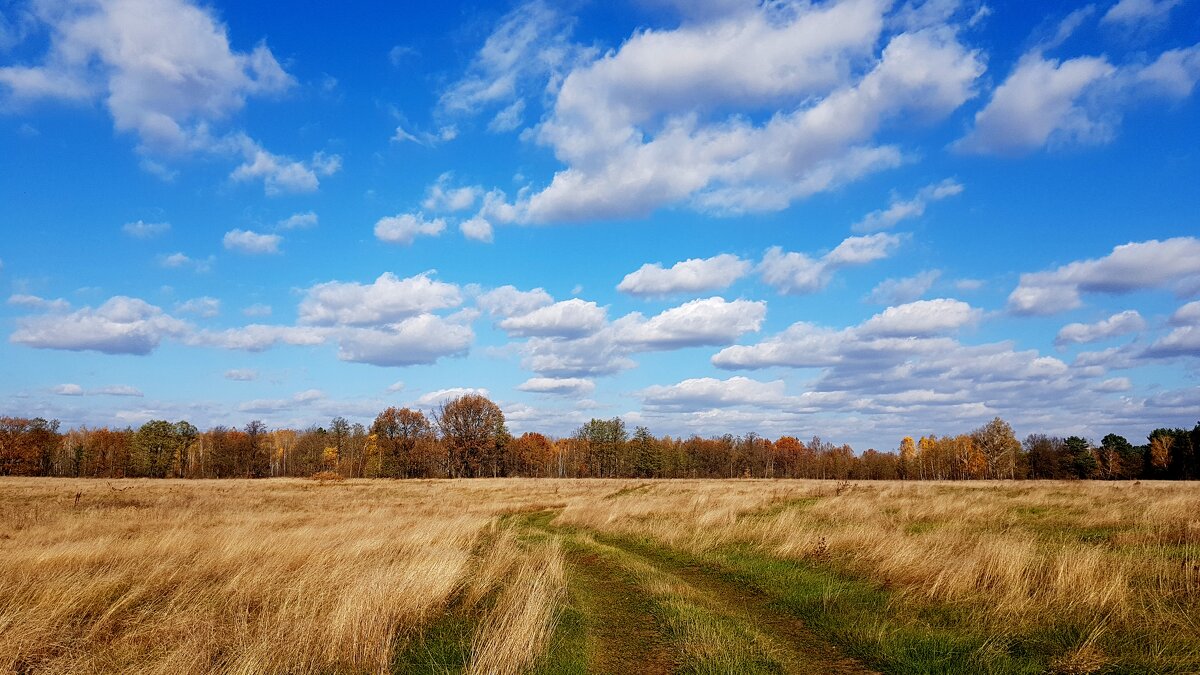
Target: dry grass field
x: 562, y: 576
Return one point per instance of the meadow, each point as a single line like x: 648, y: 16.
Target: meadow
x: 575, y: 576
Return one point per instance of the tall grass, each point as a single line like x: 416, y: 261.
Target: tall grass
x: 297, y: 576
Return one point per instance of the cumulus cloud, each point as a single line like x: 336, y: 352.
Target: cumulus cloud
x: 270, y: 405
x: 142, y: 230
x: 477, y: 229
x: 421, y: 339
x: 709, y: 392
x: 1077, y: 101
x: 405, y: 227
x: 241, y: 374
x: 298, y: 221
x: 205, y: 307
x: 279, y: 174
x: 258, y: 337
x: 1171, y: 263
x: 907, y: 289
x: 568, y: 319
x: 179, y: 260
x: 441, y: 196
x: 1187, y: 315
x: 922, y: 318
x: 711, y: 321
x: 561, y: 386
x: 799, y: 273
x: 442, y: 395
x: 1116, y: 325
x: 904, y: 209
x: 122, y: 325
x: 67, y: 390
x: 1183, y: 340
x: 251, y: 243
x: 36, y: 302
x: 159, y: 66
x: 689, y: 276
x: 669, y: 116
x: 387, y: 299
x: 511, y: 301
x: 166, y: 72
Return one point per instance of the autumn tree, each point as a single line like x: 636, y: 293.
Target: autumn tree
x: 474, y: 434
x: 402, y: 438
x: 26, y: 445
x: 999, y: 448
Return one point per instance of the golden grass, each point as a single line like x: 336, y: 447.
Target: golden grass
x: 300, y: 576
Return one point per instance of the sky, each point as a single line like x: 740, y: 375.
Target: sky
x: 856, y: 219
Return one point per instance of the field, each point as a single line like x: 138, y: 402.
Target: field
x: 573, y: 576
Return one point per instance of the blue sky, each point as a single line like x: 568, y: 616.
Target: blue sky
x: 856, y: 219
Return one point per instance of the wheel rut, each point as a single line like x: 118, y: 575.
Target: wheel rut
x: 626, y: 635
x: 623, y: 635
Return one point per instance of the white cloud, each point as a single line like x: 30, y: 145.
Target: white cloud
x: 708, y: 392
x: 68, y: 390
x: 122, y: 325
x: 35, y: 302
x: 421, y: 339
x: 1140, y: 12
x: 921, y: 319
x: 252, y: 243
x: 280, y: 174
x: 442, y: 197
x: 798, y: 273
x: 270, y: 405
x: 241, y: 374
x: 1079, y: 101
x: 1187, y: 315
x: 162, y: 67
x: 258, y: 337
x: 900, y: 291
x: 569, y: 319
x: 257, y: 309
x: 711, y: 321
x: 441, y: 395
x: 667, y: 118
x: 395, y: 387
x: 477, y: 228
x: 688, y: 276
x: 118, y: 390
x: 298, y: 221
x: 1115, y: 384
x: 509, y: 118
x: 1172, y: 263
x: 598, y: 354
x: 1182, y: 341
x: 203, y: 307
x: 405, y: 227
x: 179, y: 260
x: 387, y: 300
x: 511, y: 301
x: 166, y: 72
x: 1116, y: 325
x: 143, y: 230
x: 904, y: 209
x: 575, y: 387
x: 530, y: 47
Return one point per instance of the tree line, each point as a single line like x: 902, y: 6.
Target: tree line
x: 467, y: 437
